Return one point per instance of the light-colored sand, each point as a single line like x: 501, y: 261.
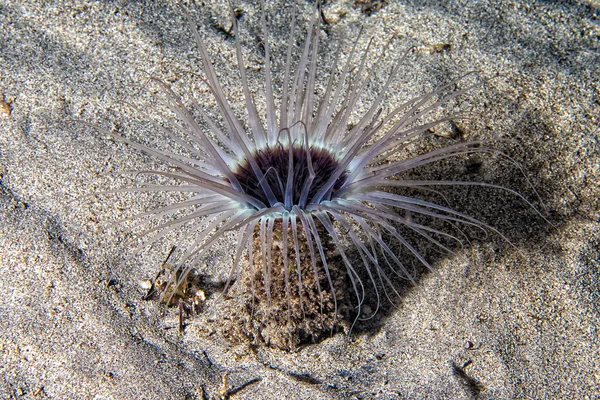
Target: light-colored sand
x: 72, y: 322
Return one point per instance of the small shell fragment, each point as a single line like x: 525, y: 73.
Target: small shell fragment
x: 5, y: 108
x: 145, y: 284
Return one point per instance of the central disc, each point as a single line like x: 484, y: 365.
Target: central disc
x: 274, y: 163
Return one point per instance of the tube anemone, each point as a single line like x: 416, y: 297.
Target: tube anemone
x: 318, y: 224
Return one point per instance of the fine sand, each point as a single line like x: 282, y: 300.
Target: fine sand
x: 494, y: 321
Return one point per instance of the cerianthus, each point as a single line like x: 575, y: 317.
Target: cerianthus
x: 315, y: 199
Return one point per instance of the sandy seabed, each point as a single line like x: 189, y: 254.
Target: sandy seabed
x: 494, y: 321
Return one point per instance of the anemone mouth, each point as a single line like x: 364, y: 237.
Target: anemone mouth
x: 289, y: 173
